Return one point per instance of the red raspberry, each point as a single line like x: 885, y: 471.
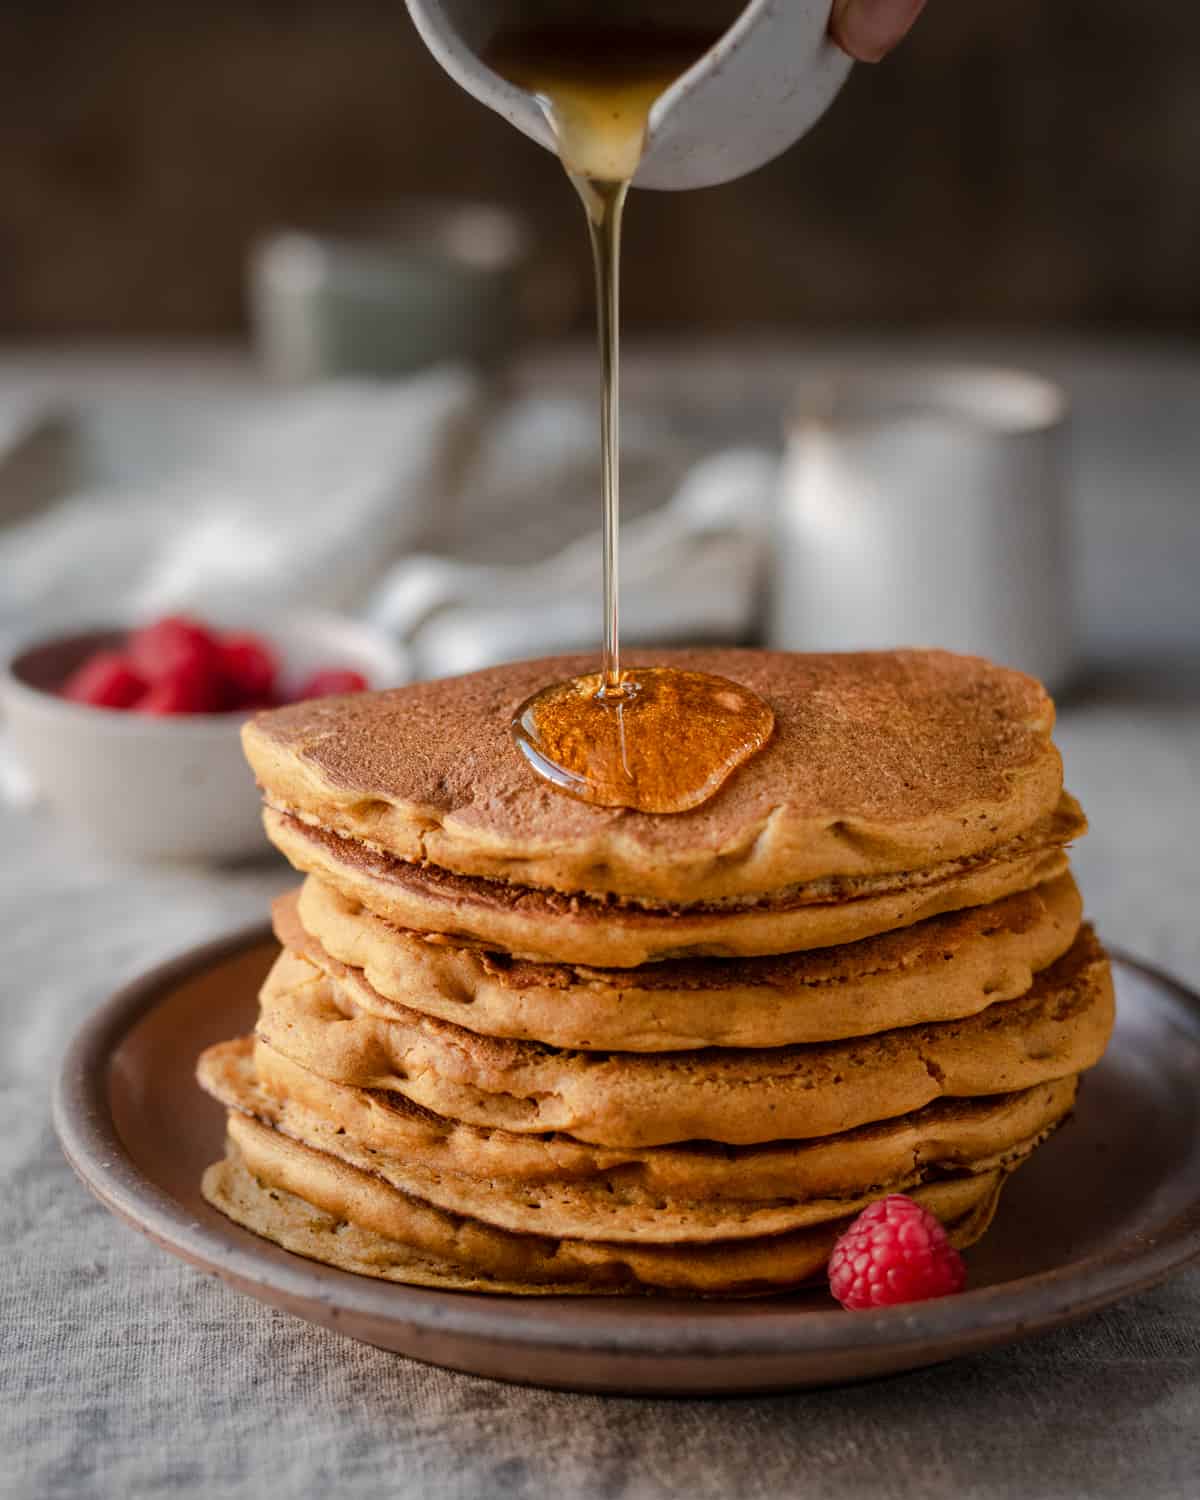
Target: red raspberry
x: 192, y: 688
x: 894, y: 1251
x: 106, y: 680
x: 171, y: 643
x: 332, y: 680
x: 250, y: 667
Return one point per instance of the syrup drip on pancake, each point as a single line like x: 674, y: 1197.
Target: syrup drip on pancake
x: 654, y: 739
x: 663, y: 743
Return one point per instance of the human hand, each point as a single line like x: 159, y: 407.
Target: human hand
x: 869, y: 29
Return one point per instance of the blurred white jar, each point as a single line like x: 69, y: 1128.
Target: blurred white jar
x: 926, y: 507
x: 436, y: 281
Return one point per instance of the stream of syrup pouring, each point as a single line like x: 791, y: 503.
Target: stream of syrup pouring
x: 657, y: 739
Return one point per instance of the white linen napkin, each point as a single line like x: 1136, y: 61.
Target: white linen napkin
x: 342, y: 496
x: 307, y: 499
x: 689, y: 571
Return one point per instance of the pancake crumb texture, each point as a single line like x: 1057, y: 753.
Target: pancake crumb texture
x: 518, y: 1044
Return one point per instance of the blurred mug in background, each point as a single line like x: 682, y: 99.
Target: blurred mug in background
x: 434, y: 281
x: 926, y: 508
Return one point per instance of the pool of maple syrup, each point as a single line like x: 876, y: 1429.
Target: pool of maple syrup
x: 655, y: 738
x: 664, y: 742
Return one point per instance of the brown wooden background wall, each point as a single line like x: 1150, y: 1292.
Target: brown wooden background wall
x: 1019, y: 160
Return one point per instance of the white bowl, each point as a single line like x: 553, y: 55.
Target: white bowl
x: 177, y: 787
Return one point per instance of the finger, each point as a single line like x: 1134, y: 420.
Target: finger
x: 869, y: 29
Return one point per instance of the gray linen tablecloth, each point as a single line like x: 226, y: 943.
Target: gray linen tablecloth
x: 127, y: 1374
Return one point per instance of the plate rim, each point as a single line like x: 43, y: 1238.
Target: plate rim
x: 87, y: 1134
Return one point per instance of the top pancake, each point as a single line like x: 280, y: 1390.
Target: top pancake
x: 880, y: 762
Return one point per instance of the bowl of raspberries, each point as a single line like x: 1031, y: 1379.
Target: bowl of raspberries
x: 133, y: 735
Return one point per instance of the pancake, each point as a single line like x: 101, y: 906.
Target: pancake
x: 739, y: 1097
x: 543, y: 925
x: 660, y: 1195
x: 880, y: 762
x: 948, y: 967
x: 317, y: 1206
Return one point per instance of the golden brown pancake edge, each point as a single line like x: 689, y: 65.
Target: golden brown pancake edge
x: 739, y: 1097
x: 656, y: 1195
x: 535, y: 923
x: 947, y: 967
x: 363, y: 1224
x: 880, y: 761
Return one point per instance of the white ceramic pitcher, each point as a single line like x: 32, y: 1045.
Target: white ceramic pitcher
x: 767, y: 81
x: 927, y: 506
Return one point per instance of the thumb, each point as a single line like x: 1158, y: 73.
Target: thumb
x: 869, y: 29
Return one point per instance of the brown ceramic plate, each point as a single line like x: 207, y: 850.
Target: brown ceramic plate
x: 1110, y: 1207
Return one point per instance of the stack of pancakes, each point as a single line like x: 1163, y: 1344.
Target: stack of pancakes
x: 518, y: 1043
